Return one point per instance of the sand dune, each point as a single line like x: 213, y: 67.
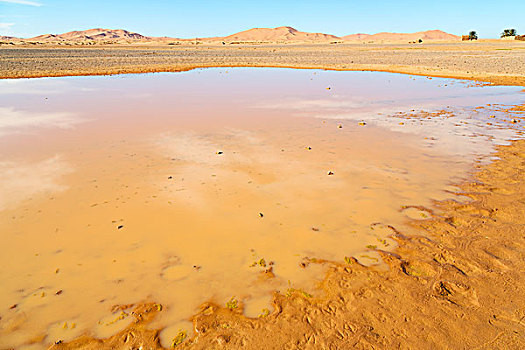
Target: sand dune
x: 95, y: 34
x: 358, y: 36
x: 274, y: 35
x: 3, y: 37
x: 429, y: 35
x: 279, y: 34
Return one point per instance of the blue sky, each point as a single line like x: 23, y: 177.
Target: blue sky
x: 200, y: 18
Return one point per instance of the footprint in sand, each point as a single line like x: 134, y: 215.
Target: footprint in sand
x: 64, y: 330
x: 114, y: 323
x: 176, y: 272
x: 176, y: 334
x: 416, y: 214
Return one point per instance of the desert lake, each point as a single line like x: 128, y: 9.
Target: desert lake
x: 219, y: 185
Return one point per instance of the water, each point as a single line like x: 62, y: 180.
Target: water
x: 211, y: 184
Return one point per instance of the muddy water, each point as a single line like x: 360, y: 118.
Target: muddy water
x: 215, y: 184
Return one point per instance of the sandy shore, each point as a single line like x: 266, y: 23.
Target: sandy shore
x: 499, y: 62
x: 459, y: 285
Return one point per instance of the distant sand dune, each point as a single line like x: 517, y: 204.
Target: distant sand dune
x: 432, y: 35
x: 279, y: 34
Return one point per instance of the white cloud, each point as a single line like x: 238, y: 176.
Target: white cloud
x: 6, y: 26
x: 22, y: 2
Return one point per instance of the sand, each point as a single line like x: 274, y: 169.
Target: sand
x: 458, y: 285
x: 255, y: 35
x: 499, y: 62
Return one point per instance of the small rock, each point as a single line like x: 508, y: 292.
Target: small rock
x: 222, y: 339
x: 120, y: 226
x: 261, y: 215
x: 330, y: 173
x: 220, y: 152
x: 361, y: 123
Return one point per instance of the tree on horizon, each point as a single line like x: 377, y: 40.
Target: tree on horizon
x: 472, y: 35
x: 508, y: 32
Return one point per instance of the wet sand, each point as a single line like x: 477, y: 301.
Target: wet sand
x: 113, y: 181
x: 495, y: 61
x: 457, y: 285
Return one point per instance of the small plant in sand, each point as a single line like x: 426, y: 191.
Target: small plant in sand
x: 120, y: 317
x: 508, y: 32
x: 292, y: 290
x: 369, y: 257
x: 232, y: 303
x: 265, y: 312
x: 472, y: 35
x: 179, y: 338
x: 261, y: 262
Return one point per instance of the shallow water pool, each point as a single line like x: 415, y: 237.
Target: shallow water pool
x: 215, y: 184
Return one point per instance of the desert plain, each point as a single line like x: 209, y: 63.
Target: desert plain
x: 449, y: 276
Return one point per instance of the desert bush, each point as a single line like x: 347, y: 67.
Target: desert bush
x: 508, y: 32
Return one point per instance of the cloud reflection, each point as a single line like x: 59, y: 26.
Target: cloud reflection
x: 20, y: 181
x: 12, y: 120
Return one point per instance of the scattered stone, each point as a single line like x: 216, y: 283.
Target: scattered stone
x: 330, y: 173
x: 261, y: 215
x: 120, y: 226
x: 220, y: 152
x: 170, y: 177
x: 361, y: 123
x: 59, y: 292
